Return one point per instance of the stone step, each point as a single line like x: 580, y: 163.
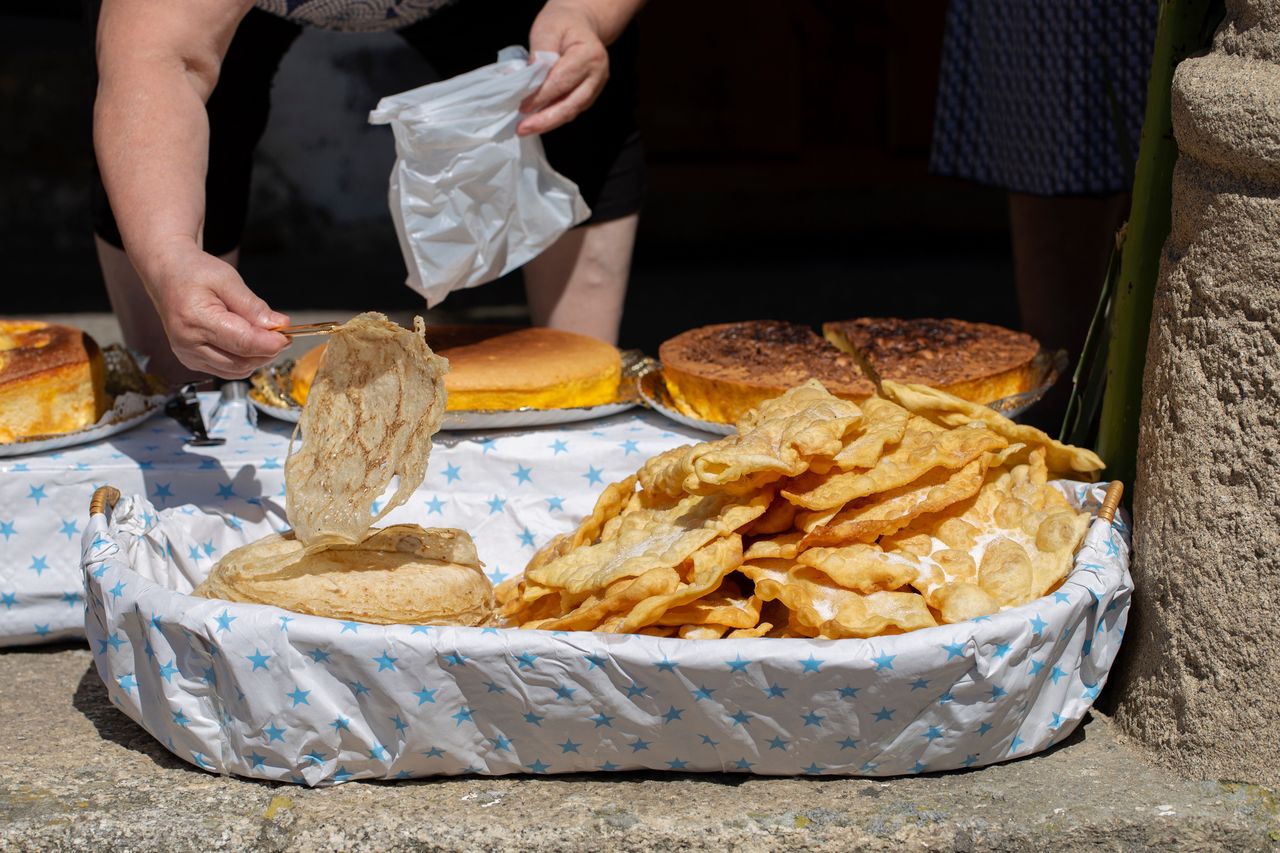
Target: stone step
x: 75, y: 773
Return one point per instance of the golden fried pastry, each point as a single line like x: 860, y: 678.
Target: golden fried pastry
x: 819, y: 517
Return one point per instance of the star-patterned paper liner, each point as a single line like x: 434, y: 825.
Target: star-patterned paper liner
x: 260, y: 692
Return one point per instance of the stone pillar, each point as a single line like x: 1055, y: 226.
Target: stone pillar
x: 1200, y: 683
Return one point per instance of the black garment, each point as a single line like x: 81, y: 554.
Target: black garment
x: 600, y: 150
x: 1031, y: 91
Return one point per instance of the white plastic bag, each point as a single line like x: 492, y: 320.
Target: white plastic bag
x: 471, y: 200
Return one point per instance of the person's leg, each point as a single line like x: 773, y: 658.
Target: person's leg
x: 1061, y: 248
x: 238, y: 110
x: 580, y: 282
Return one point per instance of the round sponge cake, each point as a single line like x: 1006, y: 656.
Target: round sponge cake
x: 534, y: 368
x: 498, y: 368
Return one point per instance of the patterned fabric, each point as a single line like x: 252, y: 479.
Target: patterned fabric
x: 511, y: 489
x: 260, y: 692
x: 353, y: 15
x: 1023, y: 98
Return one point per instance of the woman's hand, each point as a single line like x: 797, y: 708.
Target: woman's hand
x: 573, y: 29
x: 215, y: 323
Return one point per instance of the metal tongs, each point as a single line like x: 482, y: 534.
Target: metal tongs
x: 185, y: 409
x: 306, y: 329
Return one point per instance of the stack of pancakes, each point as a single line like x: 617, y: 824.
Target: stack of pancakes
x: 377, y: 400
x: 718, y: 372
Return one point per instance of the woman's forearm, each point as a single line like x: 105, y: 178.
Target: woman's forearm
x: 611, y: 16
x: 158, y: 63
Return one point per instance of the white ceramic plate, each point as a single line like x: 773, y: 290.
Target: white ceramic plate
x: 515, y: 418
x: 88, y: 435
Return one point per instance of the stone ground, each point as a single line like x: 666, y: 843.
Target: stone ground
x: 77, y: 774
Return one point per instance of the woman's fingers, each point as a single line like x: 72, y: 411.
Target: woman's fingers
x: 240, y: 300
x: 578, y: 75
x: 563, y: 112
x: 208, y: 358
x: 567, y: 92
x: 575, y: 65
x: 234, y: 334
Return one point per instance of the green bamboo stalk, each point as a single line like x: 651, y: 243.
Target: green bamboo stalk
x: 1089, y: 380
x: 1185, y: 27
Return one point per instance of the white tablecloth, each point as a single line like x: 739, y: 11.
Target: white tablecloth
x: 510, y: 489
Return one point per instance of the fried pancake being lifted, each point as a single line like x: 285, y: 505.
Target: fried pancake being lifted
x: 377, y: 399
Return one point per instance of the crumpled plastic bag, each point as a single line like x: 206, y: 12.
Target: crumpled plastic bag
x: 471, y: 200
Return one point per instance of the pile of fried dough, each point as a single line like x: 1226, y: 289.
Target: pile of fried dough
x: 819, y: 518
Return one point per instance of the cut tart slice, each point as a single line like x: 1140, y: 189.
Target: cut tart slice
x: 718, y: 372
x: 978, y: 362
x: 52, y: 380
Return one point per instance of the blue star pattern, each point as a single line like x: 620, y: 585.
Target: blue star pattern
x: 43, y: 498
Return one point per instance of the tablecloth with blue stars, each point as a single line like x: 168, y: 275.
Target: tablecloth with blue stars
x: 511, y: 490
x: 258, y: 691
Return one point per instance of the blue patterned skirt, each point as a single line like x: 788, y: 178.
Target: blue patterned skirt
x: 1043, y: 96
